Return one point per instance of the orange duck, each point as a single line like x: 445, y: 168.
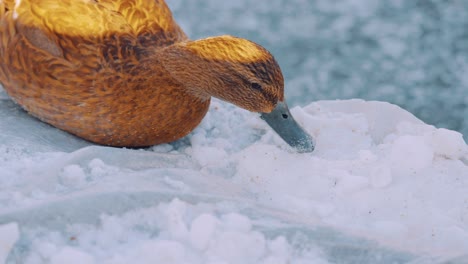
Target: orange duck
x: 123, y: 73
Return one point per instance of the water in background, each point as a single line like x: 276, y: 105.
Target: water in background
x: 411, y: 53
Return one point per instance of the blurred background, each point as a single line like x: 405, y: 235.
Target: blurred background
x: 410, y: 53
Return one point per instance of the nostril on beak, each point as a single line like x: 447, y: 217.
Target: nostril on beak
x: 281, y: 120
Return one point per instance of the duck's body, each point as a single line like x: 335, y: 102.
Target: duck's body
x: 122, y: 72
x: 97, y: 85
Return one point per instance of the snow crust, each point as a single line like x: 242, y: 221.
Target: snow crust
x: 381, y: 187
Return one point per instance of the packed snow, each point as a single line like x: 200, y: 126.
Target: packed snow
x: 381, y: 187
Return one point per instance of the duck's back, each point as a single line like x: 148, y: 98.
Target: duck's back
x: 150, y: 19
x: 76, y: 64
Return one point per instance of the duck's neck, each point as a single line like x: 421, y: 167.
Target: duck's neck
x: 192, y: 72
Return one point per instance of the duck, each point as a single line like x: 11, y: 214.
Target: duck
x: 123, y: 73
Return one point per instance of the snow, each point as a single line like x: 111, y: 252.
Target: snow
x: 9, y: 234
x: 72, y: 256
x: 381, y: 187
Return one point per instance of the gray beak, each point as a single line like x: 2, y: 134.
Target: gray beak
x: 283, y: 123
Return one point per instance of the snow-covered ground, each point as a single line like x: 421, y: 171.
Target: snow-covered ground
x: 381, y: 187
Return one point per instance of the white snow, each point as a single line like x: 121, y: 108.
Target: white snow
x: 234, y: 192
x: 72, y: 256
x: 9, y: 234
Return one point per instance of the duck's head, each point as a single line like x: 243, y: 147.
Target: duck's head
x: 241, y: 72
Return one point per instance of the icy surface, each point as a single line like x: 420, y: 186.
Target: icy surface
x: 410, y: 53
x: 381, y: 187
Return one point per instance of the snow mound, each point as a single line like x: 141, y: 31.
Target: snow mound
x: 381, y: 187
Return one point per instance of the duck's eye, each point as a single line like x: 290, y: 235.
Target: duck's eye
x: 256, y: 86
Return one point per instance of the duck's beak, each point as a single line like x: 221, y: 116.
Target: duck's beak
x: 281, y: 120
